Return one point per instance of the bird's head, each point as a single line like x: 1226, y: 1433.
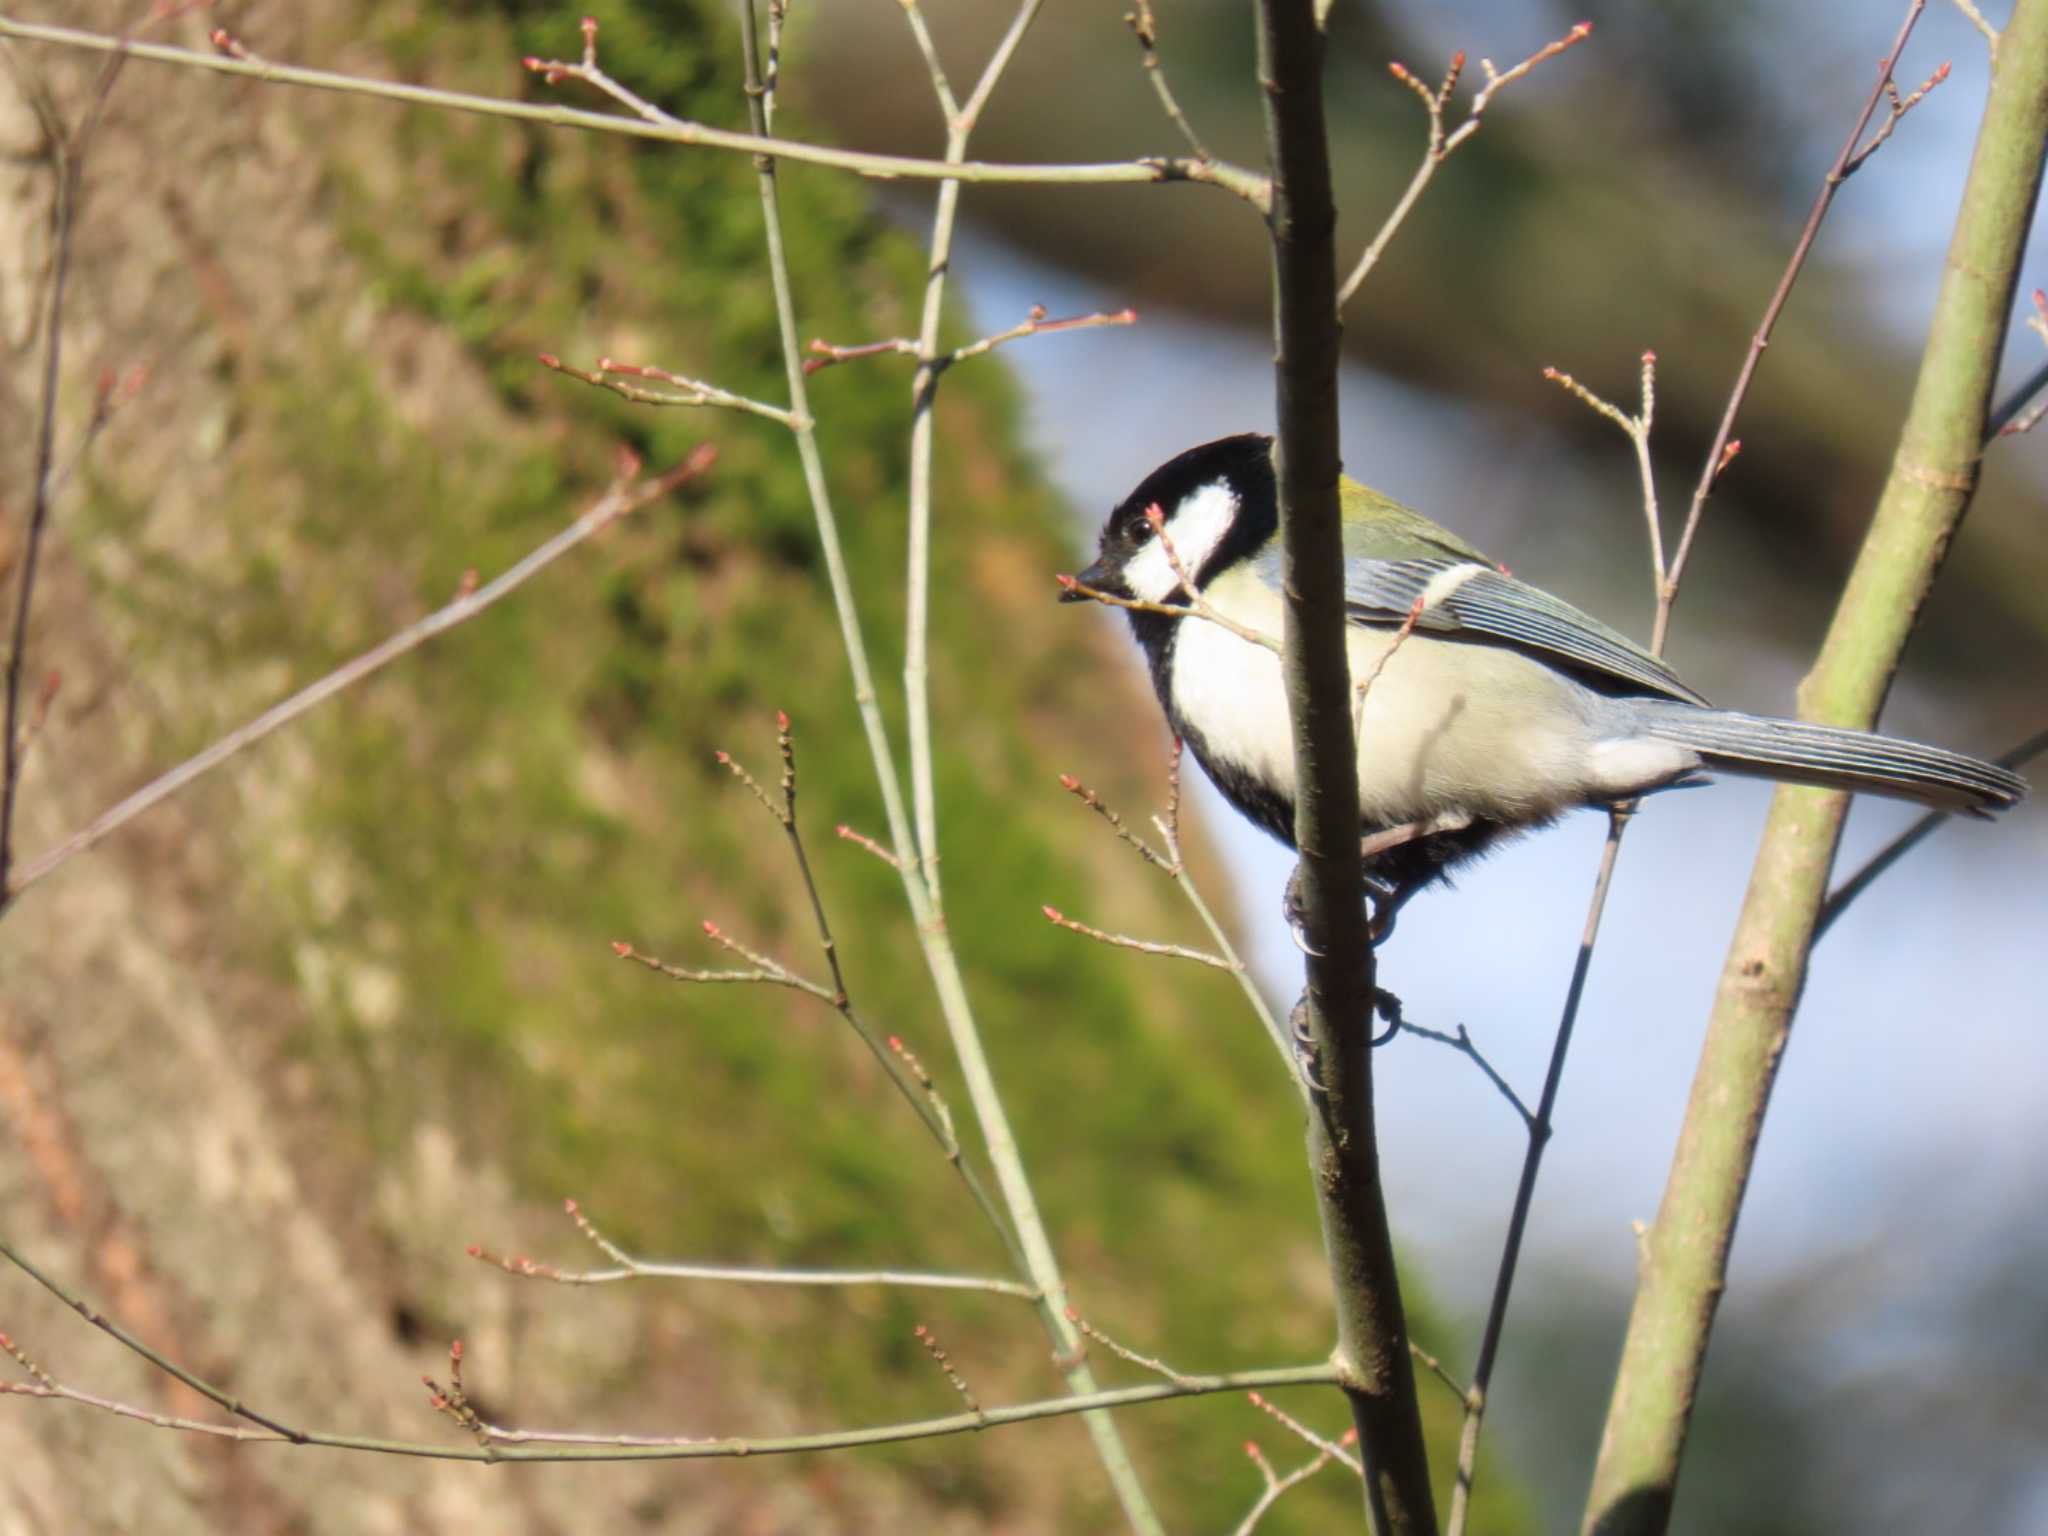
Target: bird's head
x: 1191, y: 518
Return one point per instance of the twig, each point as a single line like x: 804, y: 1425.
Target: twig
x: 761, y: 969
x: 1441, y: 146
x: 1463, y: 1044
x: 1143, y: 946
x: 1172, y: 610
x: 1294, y: 1426
x: 771, y: 68
x: 824, y: 354
x: 1976, y: 19
x: 1197, y: 606
x: 1435, y: 1367
x: 1246, y: 184
x: 1174, y: 863
x: 1145, y: 28
x: 1363, y: 688
x: 1124, y: 1352
x: 952, y: 1374
x: 1525, y: 1189
x: 2006, y: 419
x: 1089, y: 798
x: 622, y: 498
x: 1276, y: 1485
x: 627, y: 1267
x: 1916, y: 834
x: 1637, y: 428
x: 1027, y: 1223
x: 70, y: 150
x: 1898, y: 108
x: 509, y: 1444
x: 862, y: 840
x: 1722, y: 449
x: 960, y: 125
x: 899, y: 1066
x: 690, y: 392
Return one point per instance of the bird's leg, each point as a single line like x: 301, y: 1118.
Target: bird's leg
x: 1386, y: 896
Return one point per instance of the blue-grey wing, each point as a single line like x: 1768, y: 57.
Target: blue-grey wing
x: 1479, y: 600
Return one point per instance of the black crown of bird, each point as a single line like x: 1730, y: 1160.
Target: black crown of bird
x: 1492, y: 707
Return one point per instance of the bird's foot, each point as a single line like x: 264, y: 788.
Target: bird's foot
x: 1384, y: 899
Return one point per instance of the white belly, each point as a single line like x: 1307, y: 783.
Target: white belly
x: 1452, y: 731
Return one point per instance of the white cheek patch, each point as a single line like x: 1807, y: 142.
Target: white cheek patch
x: 1195, y: 528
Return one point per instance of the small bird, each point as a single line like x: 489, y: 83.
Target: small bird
x: 1500, y: 709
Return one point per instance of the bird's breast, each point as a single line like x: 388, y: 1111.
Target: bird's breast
x: 1449, y: 729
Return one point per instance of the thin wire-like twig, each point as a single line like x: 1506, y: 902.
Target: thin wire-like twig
x: 506, y: 1444
x: 1197, y: 606
x: 824, y: 354
x: 1923, y: 828
x: 1462, y: 1042
x: 1334, y: 1449
x: 1720, y: 452
x: 1145, y: 28
x: 1144, y: 946
x: 69, y: 149
x: 626, y: 1266
x: 924, y: 384
x: 623, y: 497
x: 1026, y: 1223
x: 1174, y: 862
x: 687, y: 391
x: 1441, y: 145
x: 1276, y: 1485
x: 1249, y: 185
x: 1124, y: 1352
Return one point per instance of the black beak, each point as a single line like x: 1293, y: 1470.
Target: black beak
x: 1097, y: 576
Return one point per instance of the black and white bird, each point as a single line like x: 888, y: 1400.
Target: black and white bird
x: 1503, y: 708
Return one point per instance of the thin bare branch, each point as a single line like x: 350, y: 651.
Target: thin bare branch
x: 1898, y: 107
x: 1145, y: 28
x: 1722, y: 449
x: 1124, y: 1352
x: 825, y: 354
x: 1462, y: 1043
x: 626, y: 1266
x: 1976, y: 19
x: 1441, y: 145
x: 944, y: 1362
x: 506, y: 1444
x: 1143, y: 946
x: 1923, y: 828
x: 688, y: 391
x: 1246, y: 184
x: 1174, y: 864
x: 1525, y: 1189
x: 1287, y: 1421
x: 1276, y: 1485
x: 69, y: 148
x: 1089, y: 798
x: 622, y: 498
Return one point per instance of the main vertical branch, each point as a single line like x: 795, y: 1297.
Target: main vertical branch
x: 1685, y: 1257
x: 1335, y: 1012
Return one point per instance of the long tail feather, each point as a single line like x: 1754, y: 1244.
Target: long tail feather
x: 1795, y: 752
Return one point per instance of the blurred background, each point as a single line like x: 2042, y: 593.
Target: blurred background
x: 374, y: 953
